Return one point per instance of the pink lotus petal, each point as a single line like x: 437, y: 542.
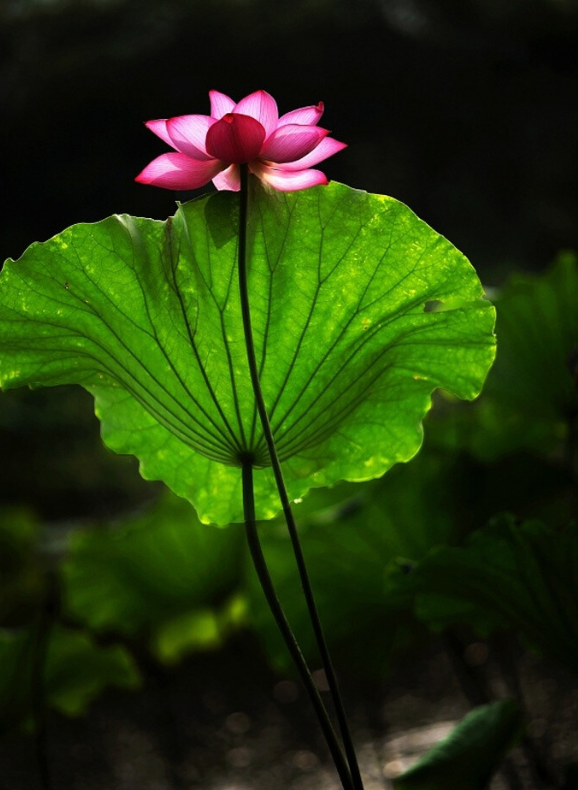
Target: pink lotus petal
x: 326, y: 147
x: 262, y: 107
x: 235, y: 138
x: 159, y: 128
x: 228, y: 179
x: 179, y: 171
x: 188, y: 134
x: 287, y: 180
x: 306, y: 116
x: 291, y: 142
x: 279, y: 151
x: 221, y: 104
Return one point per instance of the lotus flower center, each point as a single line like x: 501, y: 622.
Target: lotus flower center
x: 235, y: 138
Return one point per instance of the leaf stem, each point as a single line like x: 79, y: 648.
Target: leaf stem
x: 283, y: 495
x: 37, y: 681
x: 285, y: 629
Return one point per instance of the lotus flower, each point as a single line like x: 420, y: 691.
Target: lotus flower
x: 278, y: 150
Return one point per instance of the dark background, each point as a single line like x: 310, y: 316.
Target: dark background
x: 464, y: 109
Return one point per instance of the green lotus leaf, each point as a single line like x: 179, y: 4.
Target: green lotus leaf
x: 360, y: 310
x: 531, y: 397
x: 508, y: 575
x: 22, y: 579
x: 76, y: 672
x: 349, y: 533
x: 136, y: 574
x: 468, y: 757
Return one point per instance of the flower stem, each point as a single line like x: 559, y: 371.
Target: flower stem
x: 285, y: 629
x: 283, y: 495
x: 37, y: 681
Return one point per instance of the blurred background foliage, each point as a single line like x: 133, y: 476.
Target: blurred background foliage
x: 465, y: 110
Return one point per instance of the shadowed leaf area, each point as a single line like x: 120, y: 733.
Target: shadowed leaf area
x: 75, y: 672
x: 508, y: 576
x: 531, y: 397
x: 360, y: 310
x: 468, y: 757
x: 349, y: 533
x: 160, y: 576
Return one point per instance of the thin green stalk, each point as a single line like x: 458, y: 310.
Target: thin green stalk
x: 285, y: 503
x: 285, y: 629
x: 37, y: 685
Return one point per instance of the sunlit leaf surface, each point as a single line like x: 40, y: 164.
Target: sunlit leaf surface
x: 360, y: 311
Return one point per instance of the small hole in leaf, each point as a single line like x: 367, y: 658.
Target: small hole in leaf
x: 432, y: 306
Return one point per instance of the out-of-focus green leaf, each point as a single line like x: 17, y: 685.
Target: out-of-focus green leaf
x: 531, y: 396
x: 471, y: 753
x: 349, y: 534
x: 509, y: 575
x: 54, y: 457
x: 201, y: 629
x: 21, y: 574
x: 136, y: 576
x: 360, y: 311
x: 76, y: 672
